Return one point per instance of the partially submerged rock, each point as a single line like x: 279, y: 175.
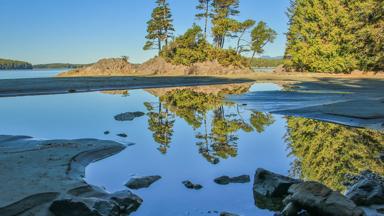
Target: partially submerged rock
x: 269, y: 189
x: 120, y: 203
x: 224, y: 180
x: 128, y: 116
x: 367, y: 190
x: 228, y: 214
x: 123, y: 135
x: 188, y: 184
x: 142, y: 182
x: 318, y: 199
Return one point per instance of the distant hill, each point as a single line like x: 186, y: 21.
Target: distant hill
x: 8, y: 64
x: 59, y: 66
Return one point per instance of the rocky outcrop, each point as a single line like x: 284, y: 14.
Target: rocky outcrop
x: 128, y: 116
x: 318, y: 199
x: 269, y: 189
x: 228, y: 214
x: 367, y: 189
x: 224, y: 180
x: 142, y: 182
x: 154, y: 66
x: 120, y: 203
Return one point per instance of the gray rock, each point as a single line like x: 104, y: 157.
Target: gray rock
x: 368, y: 190
x: 106, y: 132
x: 228, y: 214
x: 70, y: 207
x: 127, y: 201
x: 142, y: 182
x: 291, y: 209
x: 128, y: 116
x: 318, y: 199
x: 190, y: 185
x: 269, y: 189
x: 224, y: 180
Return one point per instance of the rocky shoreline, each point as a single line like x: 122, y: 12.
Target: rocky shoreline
x: 46, y: 176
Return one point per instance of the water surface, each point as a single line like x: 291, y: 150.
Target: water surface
x: 193, y: 134
x: 35, y: 73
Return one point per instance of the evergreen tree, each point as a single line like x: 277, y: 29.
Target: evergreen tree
x: 318, y: 40
x: 261, y: 35
x: 160, y: 27
x: 222, y: 22
x: 367, y: 24
x: 205, y: 13
x: 241, y: 30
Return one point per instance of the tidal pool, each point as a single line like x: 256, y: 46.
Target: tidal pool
x: 194, y: 134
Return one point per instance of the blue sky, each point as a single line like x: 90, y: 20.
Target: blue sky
x: 83, y: 31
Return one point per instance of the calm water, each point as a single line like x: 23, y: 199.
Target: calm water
x: 36, y: 73
x: 191, y: 135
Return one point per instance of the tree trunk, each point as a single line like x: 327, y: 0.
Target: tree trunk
x: 206, y: 19
x: 159, y: 43
x: 253, y: 56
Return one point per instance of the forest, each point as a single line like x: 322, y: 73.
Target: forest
x: 335, y: 36
x: 220, y: 37
x: 7, y: 64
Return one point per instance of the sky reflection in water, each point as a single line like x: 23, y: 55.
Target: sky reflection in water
x: 177, y: 156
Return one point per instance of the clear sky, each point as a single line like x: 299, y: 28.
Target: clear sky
x: 83, y: 31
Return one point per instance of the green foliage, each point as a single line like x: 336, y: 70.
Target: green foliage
x: 59, y: 66
x: 261, y: 120
x: 159, y: 27
x: 192, y: 47
x: 6, y: 64
x: 327, y: 152
x: 222, y: 23
x: 263, y: 62
x: 261, y: 35
x: 335, y: 36
x: 205, y: 13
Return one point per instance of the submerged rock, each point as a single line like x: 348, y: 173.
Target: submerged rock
x: 367, y: 190
x: 269, y: 189
x: 228, y: 214
x: 190, y: 185
x: 124, y: 135
x: 128, y: 116
x: 318, y: 199
x: 224, y: 180
x: 142, y: 182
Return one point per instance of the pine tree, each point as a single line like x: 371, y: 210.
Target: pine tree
x: 241, y: 30
x: 204, y: 6
x: 160, y: 27
x: 261, y: 35
x: 318, y: 39
x: 222, y: 22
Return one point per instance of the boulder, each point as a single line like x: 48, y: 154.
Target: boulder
x: 127, y: 201
x: 128, y: 116
x: 190, y: 185
x: 367, y: 190
x: 123, y: 135
x: 119, y: 203
x: 269, y: 189
x: 224, y: 180
x: 142, y: 182
x: 318, y: 199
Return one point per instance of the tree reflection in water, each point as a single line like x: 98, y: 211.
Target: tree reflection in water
x: 326, y: 152
x: 216, y: 123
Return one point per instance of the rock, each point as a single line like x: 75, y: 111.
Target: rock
x: 127, y: 201
x: 318, y: 199
x: 70, y: 207
x: 224, y: 180
x: 124, y: 135
x: 368, y: 189
x: 291, y: 209
x: 142, y: 182
x: 228, y: 214
x: 106, y: 132
x: 190, y: 185
x: 128, y: 116
x: 269, y: 189
x: 116, y: 204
